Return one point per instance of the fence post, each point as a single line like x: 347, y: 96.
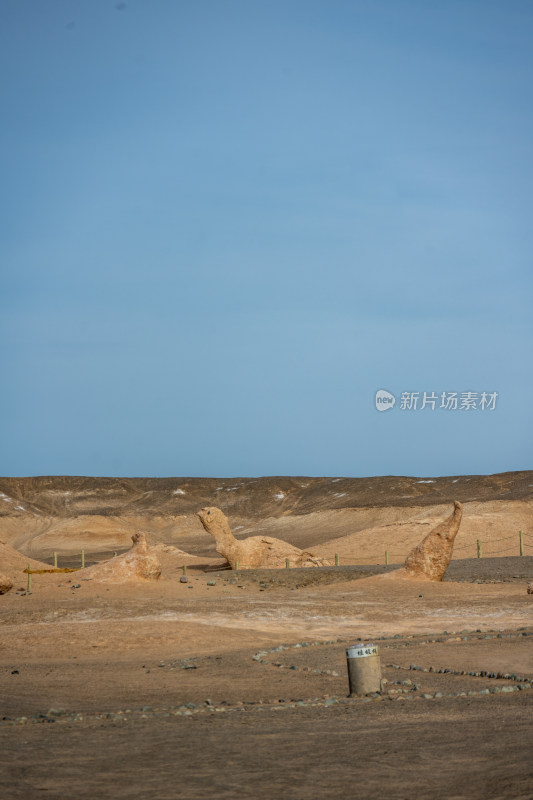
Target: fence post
x: 29, y: 579
x: 386, y: 556
x: 479, y: 548
x: 336, y: 559
x: 184, y: 568
x: 55, y: 560
x: 83, y: 559
x: 287, y: 563
x: 521, y: 543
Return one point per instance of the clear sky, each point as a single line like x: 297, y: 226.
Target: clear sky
x: 225, y: 224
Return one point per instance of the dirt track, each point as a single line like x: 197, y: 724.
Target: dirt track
x: 118, y: 691
x: 234, y: 685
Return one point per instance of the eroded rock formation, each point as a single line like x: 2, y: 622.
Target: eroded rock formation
x: 256, y: 551
x: 6, y: 584
x: 430, y: 559
x: 530, y: 587
x: 140, y: 562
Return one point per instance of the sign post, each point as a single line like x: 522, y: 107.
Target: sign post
x: 364, y: 669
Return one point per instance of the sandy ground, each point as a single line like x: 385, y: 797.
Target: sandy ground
x: 181, y: 690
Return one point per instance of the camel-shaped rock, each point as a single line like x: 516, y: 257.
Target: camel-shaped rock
x: 256, y: 552
x: 430, y: 559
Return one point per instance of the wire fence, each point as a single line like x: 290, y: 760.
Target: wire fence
x: 519, y: 544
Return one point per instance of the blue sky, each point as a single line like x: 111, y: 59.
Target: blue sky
x: 226, y: 224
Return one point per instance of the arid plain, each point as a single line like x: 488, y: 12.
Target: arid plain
x: 234, y: 684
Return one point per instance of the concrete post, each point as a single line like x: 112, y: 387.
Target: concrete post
x: 364, y: 669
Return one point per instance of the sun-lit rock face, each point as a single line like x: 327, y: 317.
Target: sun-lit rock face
x: 257, y: 551
x: 430, y: 559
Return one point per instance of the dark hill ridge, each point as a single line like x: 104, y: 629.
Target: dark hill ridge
x: 252, y: 498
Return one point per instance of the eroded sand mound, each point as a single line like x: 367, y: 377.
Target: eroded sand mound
x: 12, y: 563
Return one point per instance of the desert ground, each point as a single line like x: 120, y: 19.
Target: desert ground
x: 234, y: 683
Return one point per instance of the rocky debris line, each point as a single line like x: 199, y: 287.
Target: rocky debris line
x: 6, y: 584
x: 430, y: 559
x: 139, y: 562
x: 401, y: 690
x: 256, y: 551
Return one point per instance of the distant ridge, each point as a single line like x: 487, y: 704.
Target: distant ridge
x: 251, y: 498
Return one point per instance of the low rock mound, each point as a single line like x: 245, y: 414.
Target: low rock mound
x: 6, y: 584
x: 255, y: 552
x: 139, y: 563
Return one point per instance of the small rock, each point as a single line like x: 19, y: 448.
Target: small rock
x: 6, y: 584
